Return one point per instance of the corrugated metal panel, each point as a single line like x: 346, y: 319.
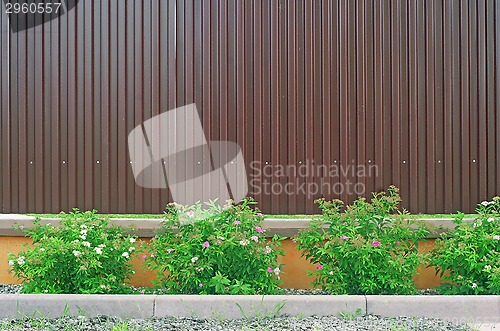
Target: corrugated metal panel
x: 408, y: 86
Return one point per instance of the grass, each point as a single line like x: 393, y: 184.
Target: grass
x: 147, y: 216
x: 274, y: 216
x: 442, y: 215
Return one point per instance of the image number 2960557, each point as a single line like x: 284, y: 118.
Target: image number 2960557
x: 26, y: 14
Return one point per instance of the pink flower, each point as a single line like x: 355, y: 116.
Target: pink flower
x: 144, y: 257
x: 375, y: 243
x: 397, y: 242
x: 319, y: 267
x: 269, y: 269
x: 259, y: 214
x: 205, y: 244
x: 344, y: 237
x: 236, y: 222
x: 200, y: 285
x: 21, y: 227
x: 255, y: 238
x: 294, y: 240
x: 142, y: 292
x: 258, y: 229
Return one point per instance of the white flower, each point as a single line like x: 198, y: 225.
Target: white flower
x: 496, y: 237
x: 77, y: 253
x: 42, y: 249
x: 11, y: 263
x: 267, y: 250
x: 487, y: 267
x: 194, y: 259
x: 131, y: 249
x: 485, y: 203
x: 83, y: 226
x: 76, y: 241
x: 20, y: 260
x: 491, y: 219
x: 331, y: 273
x: 244, y: 242
x: 255, y: 238
x: 276, y: 271
x: 83, y: 237
x: 98, y: 250
x: 86, y: 243
x: 132, y: 240
x: 101, y: 246
x: 83, y: 232
x: 170, y: 250
x: 125, y: 255
x: 474, y: 285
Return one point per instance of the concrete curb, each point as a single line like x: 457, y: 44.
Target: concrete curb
x: 240, y: 306
x: 456, y: 309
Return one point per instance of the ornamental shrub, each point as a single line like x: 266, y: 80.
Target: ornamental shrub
x: 82, y: 255
x: 368, y: 247
x: 215, y: 250
x: 468, y: 257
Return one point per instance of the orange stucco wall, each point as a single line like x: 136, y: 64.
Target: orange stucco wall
x: 294, y: 270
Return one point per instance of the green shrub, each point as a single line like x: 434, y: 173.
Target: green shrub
x: 212, y: 250
x: 365, y: 248
x: 83, y: 255
x: 468, y: 257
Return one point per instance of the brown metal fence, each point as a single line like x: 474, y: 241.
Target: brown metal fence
x: 405, y: 89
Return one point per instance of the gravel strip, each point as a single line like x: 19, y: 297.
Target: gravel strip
x: 10, y: 289
x: 15, y: 289
x: 368, y: 323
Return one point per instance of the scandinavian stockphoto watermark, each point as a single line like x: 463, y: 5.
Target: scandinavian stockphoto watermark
x: 170, y: 151
x: 26, y: 14
x: 310, y: 179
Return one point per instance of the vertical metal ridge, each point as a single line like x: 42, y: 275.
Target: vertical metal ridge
x: 410, y: 87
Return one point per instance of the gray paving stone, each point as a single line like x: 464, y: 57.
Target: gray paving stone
x: 57, y: 305
x: 234, y: 306
x: 8, y: 304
